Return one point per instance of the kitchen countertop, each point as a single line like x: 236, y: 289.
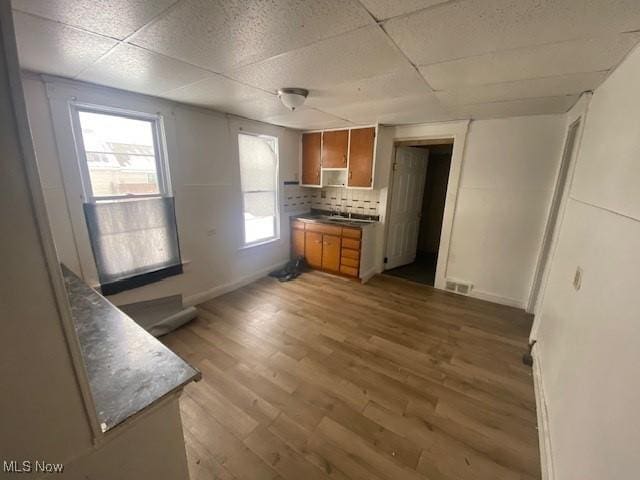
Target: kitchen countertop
x: 320, y: 218
x: 128, y: 369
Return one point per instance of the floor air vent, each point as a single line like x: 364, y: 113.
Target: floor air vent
x: 458, y: 287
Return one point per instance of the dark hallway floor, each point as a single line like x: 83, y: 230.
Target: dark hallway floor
x: 422, y: 270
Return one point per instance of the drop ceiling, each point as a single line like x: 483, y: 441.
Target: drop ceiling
x: 367, y: 61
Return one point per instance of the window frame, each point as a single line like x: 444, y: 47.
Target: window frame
x: 276, y: 221
x: 159, y: 146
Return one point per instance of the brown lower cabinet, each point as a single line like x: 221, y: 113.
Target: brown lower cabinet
x: 330, y: 248
x: 331, y: 253
x: 313, y: 249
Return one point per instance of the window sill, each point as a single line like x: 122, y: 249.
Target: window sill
x: 244, y: 248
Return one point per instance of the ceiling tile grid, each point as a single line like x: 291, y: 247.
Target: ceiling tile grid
x: 133, y: 68
x: 55, y: 48
x: 364, y: 61
x: 356, y: 55
x: 223, y: 94
x: 114, y: 18
x: 223, y: 34
x: 574, y: 56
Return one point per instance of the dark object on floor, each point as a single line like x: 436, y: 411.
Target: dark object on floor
x: 291, y: 270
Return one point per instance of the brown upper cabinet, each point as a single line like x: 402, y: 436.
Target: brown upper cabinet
x: 361, y: 157
x: 311, y: 149
x: 335, y: 145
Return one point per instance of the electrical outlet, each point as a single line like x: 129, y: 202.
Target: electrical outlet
x: 211, y: 232
x: 577, y: 279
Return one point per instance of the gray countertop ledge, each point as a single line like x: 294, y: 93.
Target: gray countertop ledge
x: 128, y: 369
x: 316, y: 218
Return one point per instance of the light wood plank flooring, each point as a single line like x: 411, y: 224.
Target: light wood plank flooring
x: 326, y: 378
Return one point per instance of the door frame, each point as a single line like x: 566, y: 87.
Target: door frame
x: 536, y: 299
x: 425, y: 134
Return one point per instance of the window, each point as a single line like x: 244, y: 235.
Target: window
x: 120, y: 155
x: 129, y: 212
x: 259, y: 182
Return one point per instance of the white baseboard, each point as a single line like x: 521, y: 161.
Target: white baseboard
x: 493, y: 298
x: 214, y: 292
x: 544, y: 436
x: 366, y: 276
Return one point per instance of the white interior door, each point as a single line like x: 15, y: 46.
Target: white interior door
x: 410, y: 170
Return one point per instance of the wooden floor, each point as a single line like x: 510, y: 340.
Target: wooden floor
x: 326, y: 378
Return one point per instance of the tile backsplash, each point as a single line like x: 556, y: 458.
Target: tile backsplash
x: 345, y: 200
x: 295, y: 199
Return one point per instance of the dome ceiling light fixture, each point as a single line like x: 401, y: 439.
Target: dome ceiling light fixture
x: 292, y: 98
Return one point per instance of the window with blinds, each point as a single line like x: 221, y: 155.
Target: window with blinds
x: 128, y: 207
x: 258, y: 156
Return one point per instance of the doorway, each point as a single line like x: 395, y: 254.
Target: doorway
x: 560, y: 189
x: 418, y: 198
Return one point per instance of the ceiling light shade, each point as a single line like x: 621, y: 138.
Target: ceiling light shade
x: 292, y: 98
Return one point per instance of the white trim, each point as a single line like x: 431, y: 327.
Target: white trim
x: 493, y: 298
x: 159, y: 146
x: 580, y: 111
x: 276, y: 189
x: 369, y: 274
x: 214, y: 292
x: 52, y: 265
x: 544, y: 434
x: 437, y: 131
x: 576, y: 115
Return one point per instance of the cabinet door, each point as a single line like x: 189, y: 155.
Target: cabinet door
x: 313, y: 249
x: 297, y: 243
x: 334, y: 149
x: 311, y: 145
x: 331, y: 253
x: 361, y: 157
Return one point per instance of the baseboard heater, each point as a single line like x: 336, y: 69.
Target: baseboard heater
x: 161, y: 315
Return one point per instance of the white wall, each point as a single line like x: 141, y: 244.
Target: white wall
x: 507, y: 181
x: 44, y: 414
x: 587, y: 340
x: 507, y: 171
x: 202, y: 151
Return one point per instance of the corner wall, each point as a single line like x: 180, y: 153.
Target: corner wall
x: 507, y: 176
x: 587, y: 339
x: 202, y: 152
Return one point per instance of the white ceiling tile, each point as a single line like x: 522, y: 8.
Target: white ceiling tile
x: 113, y: 18
x: 400, y: 83
x: 473, y: 27
x: 221, y: 34
x: 384, y: 9
x: 573, y: 84
x: 138, y: 70
x: 402, y: 110
x: 50, y: 47
x: 307, y: 119
x: 220, y: 93
x: 573, y: 56
x: 515, y: 108
x: 356, y: 55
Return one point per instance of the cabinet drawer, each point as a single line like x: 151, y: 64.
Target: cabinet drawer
x: 297, y: 224
x: 319, y: 227
x: 351, y: 253
x: 353, y: 272
x: 351, y: 232
x: 351, y: 243
x: 350, y: 262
